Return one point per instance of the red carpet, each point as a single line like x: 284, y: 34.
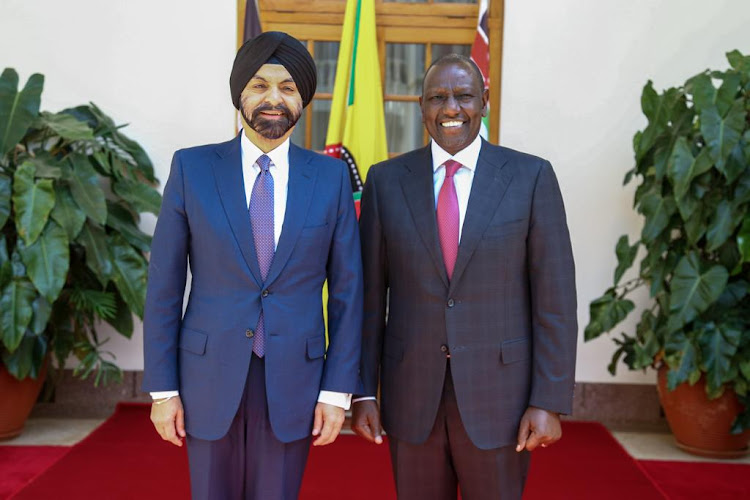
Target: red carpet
x: 124, y: 459
x: 20, y: 464
x: 699, y: 480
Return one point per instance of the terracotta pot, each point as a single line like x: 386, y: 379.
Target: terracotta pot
x: 17, y: 398
x: 701, y: 426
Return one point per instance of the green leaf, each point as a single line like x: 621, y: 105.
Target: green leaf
x: 15, y: 312
x: 94, y: 301
x: 86, y: 190
x: 718, y: 345
x: 41, y: 313
x: 32, y: 202
x: 733, y: 294
x: 740, y: 63
x: 121, y: 220
x: 742, y: 190
x: 144, y: 198
x: 122, y: 321
x: 683, y: 167
x: 705, y: 95
x: 693, y: 290
x: 5, y: 190
x: 66, y: 126
x: 606, y: 312
x: 657, y: 210
x: 18, y: 109
x: 98, y: 258
x: 722, y: 134
x: 66, y: 212
x: 723, y: 223
x: 657, y: 110
x: 6, y: 272
x: 625, y: 256
x: 47, y: 261
x: 695, y: 226
x: 129, y: 274
x: 743, y: 240
x: 736, y: 163
x: 28, y: 359
x: 682, y: 359
x: 47, y: 167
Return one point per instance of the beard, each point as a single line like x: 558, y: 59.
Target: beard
x: 270, y: 129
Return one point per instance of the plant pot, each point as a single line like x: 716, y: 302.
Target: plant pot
x: 17, y: 398
x: 701, y: 426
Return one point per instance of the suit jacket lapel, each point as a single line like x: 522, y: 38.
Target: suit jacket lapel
x: 487, y: 191
x: 418, y: 189
x: 299, y: 195
x: 228, y: 174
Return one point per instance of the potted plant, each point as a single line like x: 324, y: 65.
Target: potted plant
x: 71, y: 254
x: 693, y: 164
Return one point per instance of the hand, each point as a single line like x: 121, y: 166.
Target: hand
x: 327, y: 424
x: 366, y: 420
x: 538, y: 427
x: 169, y: 420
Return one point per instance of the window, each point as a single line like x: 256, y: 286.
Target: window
x: 411, y: 34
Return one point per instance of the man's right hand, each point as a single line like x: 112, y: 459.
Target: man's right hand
x: 366, y: 420
x: 169, y: 420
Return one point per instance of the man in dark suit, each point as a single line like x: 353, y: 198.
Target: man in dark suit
x: 245, y: 374
x: 476, y: 357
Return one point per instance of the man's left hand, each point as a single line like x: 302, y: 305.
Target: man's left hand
x: 327, y: 424
x: 538, y: 427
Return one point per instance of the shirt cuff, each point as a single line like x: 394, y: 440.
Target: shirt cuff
x: 340, y: 399
x: 364, y: 398
x: 164, y: 394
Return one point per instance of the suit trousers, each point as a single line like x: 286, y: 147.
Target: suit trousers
x: 448, y: 459
x: 249, y: 462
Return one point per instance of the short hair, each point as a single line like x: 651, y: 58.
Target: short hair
x: 459, y: 60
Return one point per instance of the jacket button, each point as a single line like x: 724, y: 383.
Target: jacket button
x: 265, y: 294
x: 249, y: 333
x: 451, y: 303
x: 444, y: 348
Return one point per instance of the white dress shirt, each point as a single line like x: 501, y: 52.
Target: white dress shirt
x: 280, y: 172
x: 463, y: 179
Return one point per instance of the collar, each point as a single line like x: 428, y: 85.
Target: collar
x: 467, y: 157
x: 279, y: 156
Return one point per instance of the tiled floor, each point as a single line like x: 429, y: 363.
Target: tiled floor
x: 67, y: 432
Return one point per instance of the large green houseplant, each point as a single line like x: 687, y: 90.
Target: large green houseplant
x: 71, y: 254
x: 693, y: 164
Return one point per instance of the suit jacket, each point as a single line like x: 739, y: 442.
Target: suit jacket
x: 205, y: 354
x: 508, y: 316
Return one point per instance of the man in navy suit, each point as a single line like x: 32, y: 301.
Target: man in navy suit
x: 466, y: 247
x: 244, y: 375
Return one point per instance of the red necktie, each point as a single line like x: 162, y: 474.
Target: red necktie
x: 447, y: 217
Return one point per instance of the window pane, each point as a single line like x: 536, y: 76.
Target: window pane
x: 326, y: 56
x: 404, y: 67
x: 321, y: 113
x: 455, y: 1
x: 403, y: 126
x: 406, y: 1
x: 298, y: 135
x: 440, y: 50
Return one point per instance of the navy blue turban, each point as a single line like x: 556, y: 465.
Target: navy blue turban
x: 274, y: 47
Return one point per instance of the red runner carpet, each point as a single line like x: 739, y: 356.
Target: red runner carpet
x: 20, y: 464
x: 699, y: 480
x: 124, y: 458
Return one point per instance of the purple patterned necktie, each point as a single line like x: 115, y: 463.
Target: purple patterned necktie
x: 448, y: 218
x: 261, y: 219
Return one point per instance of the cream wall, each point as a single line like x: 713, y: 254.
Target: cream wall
x: 572, y: 75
